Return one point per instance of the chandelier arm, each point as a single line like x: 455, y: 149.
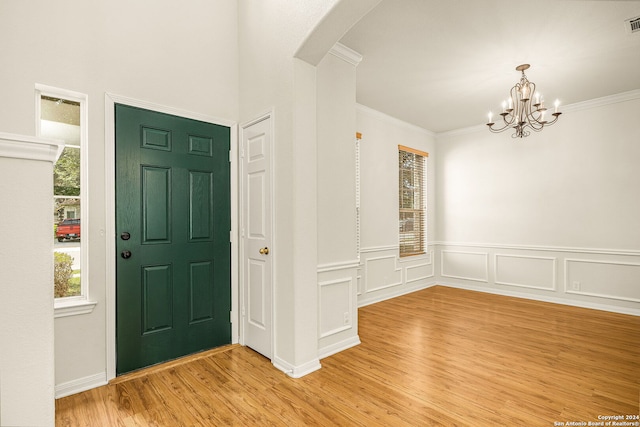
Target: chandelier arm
x: 534, y: 124
x: 515, y: 113
x: 555, y: 118
x: 497, y: 130
x: 507, y: 120
x: 542, y: 125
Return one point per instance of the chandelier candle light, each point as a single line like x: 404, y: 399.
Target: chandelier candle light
x: 524, y: 109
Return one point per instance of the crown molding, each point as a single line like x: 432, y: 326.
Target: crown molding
x: 461, y: 131
x: 605, y: 100
x: 346, y: 54
x: 392, y: 120
x: 569, y: 108
x: 30, y: 147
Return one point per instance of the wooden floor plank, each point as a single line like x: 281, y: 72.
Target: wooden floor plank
x: 437, y: 357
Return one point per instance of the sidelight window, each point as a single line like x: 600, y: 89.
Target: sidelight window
x: 62, y: 115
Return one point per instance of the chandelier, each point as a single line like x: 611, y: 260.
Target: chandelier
x: 524, y: 109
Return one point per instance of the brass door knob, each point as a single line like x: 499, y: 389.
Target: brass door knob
x: 264, y: 251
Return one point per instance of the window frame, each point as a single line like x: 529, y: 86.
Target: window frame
x: 77, y: 304
x: 423, y: 202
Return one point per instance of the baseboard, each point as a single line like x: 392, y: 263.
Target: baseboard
x: 81, y: 384
x: 296, y: 371
x: 402, y: 291
x: 338, y: 347
x: 544, y: 298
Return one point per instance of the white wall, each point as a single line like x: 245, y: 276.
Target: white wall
x: 553, y: 216
x: 156, y: 51
x: 383, y: 273
x: 573, y: 184
x: 336, y: 160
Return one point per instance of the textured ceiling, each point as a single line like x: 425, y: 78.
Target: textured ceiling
x: 442, y: 65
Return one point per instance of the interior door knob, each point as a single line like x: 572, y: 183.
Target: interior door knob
x: 264, y: 251
x: 125, y: 254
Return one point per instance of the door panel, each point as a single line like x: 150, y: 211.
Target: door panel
x: 257, y: 310
x: 201, y: 298
x: 156, y: 205
x: 157, y: 309
x: 173, y: 293
x: 256, y: 233
x: 200, y: 205
x: 256, y: 205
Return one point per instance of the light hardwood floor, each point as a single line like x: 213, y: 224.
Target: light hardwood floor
x: 440, y: 356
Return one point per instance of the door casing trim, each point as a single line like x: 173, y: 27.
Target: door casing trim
x: 110, y: 100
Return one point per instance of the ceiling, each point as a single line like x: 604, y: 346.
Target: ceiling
x: 443, y: 65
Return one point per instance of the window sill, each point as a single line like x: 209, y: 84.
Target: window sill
x: 414, y: 254
x: 414, y: 257
x: 73, y: 308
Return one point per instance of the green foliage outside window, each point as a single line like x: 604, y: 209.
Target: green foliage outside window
x: 61, y: 273
x: 66, y: 173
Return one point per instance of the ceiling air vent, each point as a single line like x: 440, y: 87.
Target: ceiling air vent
x: 632, y: 25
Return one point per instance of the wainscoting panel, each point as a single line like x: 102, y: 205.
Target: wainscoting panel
x: 419, y: 272
x: 605, y: 279
x: 465, y: 265
x: 382, y: 272
x: 602, y: 279
x: 385, y: 275
x: 525, y: 271
x: 335, y: 306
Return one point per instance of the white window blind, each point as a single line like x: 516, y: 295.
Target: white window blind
x: 358, y: 138
x: 412, y: 200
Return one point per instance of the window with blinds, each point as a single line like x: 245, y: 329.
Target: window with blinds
x: 412, y: 200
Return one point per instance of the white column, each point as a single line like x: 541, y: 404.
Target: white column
x: 338, y: 262
x: 26, y: 281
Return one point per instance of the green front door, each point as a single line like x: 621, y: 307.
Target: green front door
x: 173, y: 218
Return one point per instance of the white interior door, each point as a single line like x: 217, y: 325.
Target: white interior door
x: 256, y: 234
